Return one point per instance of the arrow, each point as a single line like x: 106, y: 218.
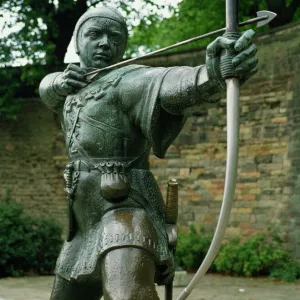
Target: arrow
x: 263, y: 17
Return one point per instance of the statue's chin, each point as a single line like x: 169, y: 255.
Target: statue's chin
x: 100, y: 63
x: 97, y: 64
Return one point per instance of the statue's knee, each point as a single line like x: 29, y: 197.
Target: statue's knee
x: 128, y: 273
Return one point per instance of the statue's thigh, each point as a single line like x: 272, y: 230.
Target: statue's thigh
x: 74, y: 290
x: 128, y: 273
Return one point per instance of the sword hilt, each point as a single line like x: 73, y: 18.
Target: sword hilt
x: 172, y: 202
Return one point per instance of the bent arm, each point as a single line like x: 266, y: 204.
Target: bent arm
x: 49, y: 93
x: 185, y: 89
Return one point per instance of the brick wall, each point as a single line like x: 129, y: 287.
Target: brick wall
x: 268, y: 189
x: 268, y: 185
x: 31, y: 149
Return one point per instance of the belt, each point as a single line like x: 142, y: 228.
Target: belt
x: 107, y: 165
x: 123, y: 162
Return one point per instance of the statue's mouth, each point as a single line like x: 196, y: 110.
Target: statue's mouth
x: 102, y: 55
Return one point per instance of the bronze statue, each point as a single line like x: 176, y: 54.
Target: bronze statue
x: 118, y: 240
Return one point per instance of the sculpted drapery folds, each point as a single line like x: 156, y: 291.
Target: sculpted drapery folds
x: 117, y: 243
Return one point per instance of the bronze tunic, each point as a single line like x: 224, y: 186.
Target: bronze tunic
x: 106, y: 142
x: 109, y: 127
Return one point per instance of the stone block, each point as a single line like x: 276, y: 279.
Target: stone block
x: 278, y: 159
x: 253, y: 218
x: 250, y: 167
x: 181, y: 279
x: 280, y: 150
x: 255, y: 191
x: 248, y: 197
x: 249, y: 174
x: 184, y: 172
x: 268, y: 191
x: 172, y: 172
x: 266, y: 203
x: 246, y: 180
x: 287, y: 190
x: 245, y: 225
x: 232, y: 232
x: 199, y: 217
x: 279, y: 120
x: 242, y: 217
x: 289, y: 95
x: 243, y: 210
x: 197, y: 172
x: 189, y: 216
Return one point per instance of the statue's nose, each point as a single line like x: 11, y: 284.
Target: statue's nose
x: 103, y: 40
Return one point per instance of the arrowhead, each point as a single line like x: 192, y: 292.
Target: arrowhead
x: 269, y: 17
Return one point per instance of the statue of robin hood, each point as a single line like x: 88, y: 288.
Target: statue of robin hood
x: 117, y: 244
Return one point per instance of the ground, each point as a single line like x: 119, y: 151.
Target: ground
x: 212, y: 287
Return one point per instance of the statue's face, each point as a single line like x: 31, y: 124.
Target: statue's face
x: 101, y: 42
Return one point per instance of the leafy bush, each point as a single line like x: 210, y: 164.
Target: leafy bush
x: 259, y: 255
x: 288, y: 271
x: 192, y: 248
x: 255, y: 256
x: 26, y: 243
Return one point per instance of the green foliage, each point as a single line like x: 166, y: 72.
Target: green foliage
x: 192, y: 18
x: 288, y: 271
x: 253, y: 257
x: 26, y: 243
x: 10, y: 104
x: 259, y: 255
x: 192, y: 248
x: 15, y: 85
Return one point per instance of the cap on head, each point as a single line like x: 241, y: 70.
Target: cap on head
x: 99, y: 12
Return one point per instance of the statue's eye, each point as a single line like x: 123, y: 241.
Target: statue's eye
x: 92, y: 34
x: 115, y: 39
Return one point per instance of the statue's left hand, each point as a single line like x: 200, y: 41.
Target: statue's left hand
x: 244, y: 61
x: 71, y: 80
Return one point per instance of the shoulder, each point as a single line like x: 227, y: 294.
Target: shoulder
x: 114, y: 76
x: 141, y: 74
x: 130, y: 70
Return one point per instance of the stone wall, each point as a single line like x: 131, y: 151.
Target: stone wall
x: 268, y: 188
x: 30, y: 168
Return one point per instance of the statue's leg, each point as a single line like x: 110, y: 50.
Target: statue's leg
x: 128, y: 274
x: 75, y: 290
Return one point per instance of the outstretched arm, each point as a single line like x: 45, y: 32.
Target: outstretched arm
x: 55, y: 87
x: 185, y: 89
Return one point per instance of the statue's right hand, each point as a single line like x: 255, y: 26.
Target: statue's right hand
x: 71, y: 80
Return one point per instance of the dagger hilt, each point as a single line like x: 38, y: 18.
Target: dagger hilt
x: 171, y: 211
x: 68, y: 176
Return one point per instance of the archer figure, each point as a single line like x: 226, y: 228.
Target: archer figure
x: 117, y: 244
